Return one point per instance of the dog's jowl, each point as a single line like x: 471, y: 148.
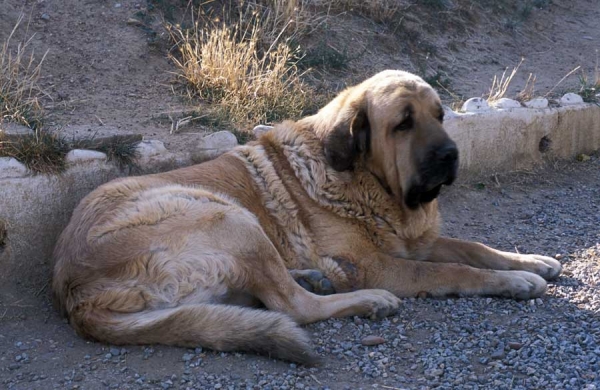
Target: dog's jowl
x: 333, y: 215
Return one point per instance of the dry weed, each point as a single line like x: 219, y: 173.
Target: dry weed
x: 19, y: 75
x: 226, y: 66
x: 380, y: 11
x: 500, y: 86
x: 528, y: 92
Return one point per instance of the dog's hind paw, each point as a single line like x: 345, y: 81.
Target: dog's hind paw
x: 313, y: 280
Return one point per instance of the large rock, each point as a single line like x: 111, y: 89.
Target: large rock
x: 11, y: 168
x: 475, y: 104
x: 81, y: 155
x: 506, y: 103
x: 537, y: 103
x: 571, y: 98
x: 213, y: 145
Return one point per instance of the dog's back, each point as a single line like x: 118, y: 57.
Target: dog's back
x: 143, y: 261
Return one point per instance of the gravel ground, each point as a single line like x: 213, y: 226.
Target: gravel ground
x: 478, y: 343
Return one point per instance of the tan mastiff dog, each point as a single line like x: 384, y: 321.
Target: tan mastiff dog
x: 342, y: 201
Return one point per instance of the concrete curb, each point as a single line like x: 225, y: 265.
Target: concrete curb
x: 520, y: 138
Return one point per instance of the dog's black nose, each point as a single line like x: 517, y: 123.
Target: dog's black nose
x: 447, y: 153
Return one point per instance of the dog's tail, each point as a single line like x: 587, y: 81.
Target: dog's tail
x: 218, y: 327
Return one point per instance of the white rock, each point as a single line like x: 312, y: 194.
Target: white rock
x: 261, y: 129
x: 82, y: 155
x: 537, y: 103
x: 475, y: 105
x: 570, y: 98
x: 505, y: 103
x: 220, y: 141
x: 150, y: 148
x: 11, y: 168
x: 449, y: 113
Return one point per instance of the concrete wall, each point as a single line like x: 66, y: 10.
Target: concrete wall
x: 507, y: 140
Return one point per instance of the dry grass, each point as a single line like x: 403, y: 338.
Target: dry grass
x: 387, y: 12
x: 500, y: 86
x: 41, y: 152
x: 528, y: 92
x: 19, y: 75
x: 246, y: 82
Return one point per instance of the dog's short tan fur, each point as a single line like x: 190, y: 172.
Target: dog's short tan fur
x: 182, y: 257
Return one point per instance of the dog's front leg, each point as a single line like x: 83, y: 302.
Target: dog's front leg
x: 408, y: 278
x: 448, y: 250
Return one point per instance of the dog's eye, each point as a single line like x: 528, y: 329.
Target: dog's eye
x: 406, y: 124
x: 441, y: 117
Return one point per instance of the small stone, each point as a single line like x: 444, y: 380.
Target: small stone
x: 115, y: 351
x: 499, y: 352
x: 449, y: 112
x: 118, y: 5
x: 151, y: 148
x: 558, y: 256
x: 372, y: 340
x: 422, y: 294
x: 476, y: 104
x: 219, y: 141
x: 570, y: 99
x: 261, y: 129
x: 505, y: 103
x: 515, y: 345
x: 45, y: 17
x: 134, y: 22
x: 11, y: 168
x: 187, y: 357
x: 582, y: 157
x: 82, y: 155
x: 434, y: 372
x: 537, y: 103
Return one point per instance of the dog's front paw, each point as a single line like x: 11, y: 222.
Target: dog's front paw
x: 313, y: 280
x: 547, y: 267
x: 521, y: 285
x: 378, y: 304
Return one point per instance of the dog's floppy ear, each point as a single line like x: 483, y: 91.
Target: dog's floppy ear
x: 349, y: 137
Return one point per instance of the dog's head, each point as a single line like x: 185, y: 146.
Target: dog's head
x: 394, y: 122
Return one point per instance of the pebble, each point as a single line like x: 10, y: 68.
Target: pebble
x: 515, y: 345
x: 372, y: 340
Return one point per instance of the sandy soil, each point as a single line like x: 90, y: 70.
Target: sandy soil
x: 102, y: 70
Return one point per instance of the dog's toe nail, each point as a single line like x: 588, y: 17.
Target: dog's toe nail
x: 305, y: 285
x: 315, y: 276
x: 326, y: 287
x: 382, y: 313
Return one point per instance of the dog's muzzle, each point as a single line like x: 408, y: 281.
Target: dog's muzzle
x: 439, y: 167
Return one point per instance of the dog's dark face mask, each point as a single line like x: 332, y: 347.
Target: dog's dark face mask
x: 397, y: 127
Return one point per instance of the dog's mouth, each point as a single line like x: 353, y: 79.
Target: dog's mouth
x: 422, y: 194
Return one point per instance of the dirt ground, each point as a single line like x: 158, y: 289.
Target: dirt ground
x: 102, y: 70
x: 554, y: 211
